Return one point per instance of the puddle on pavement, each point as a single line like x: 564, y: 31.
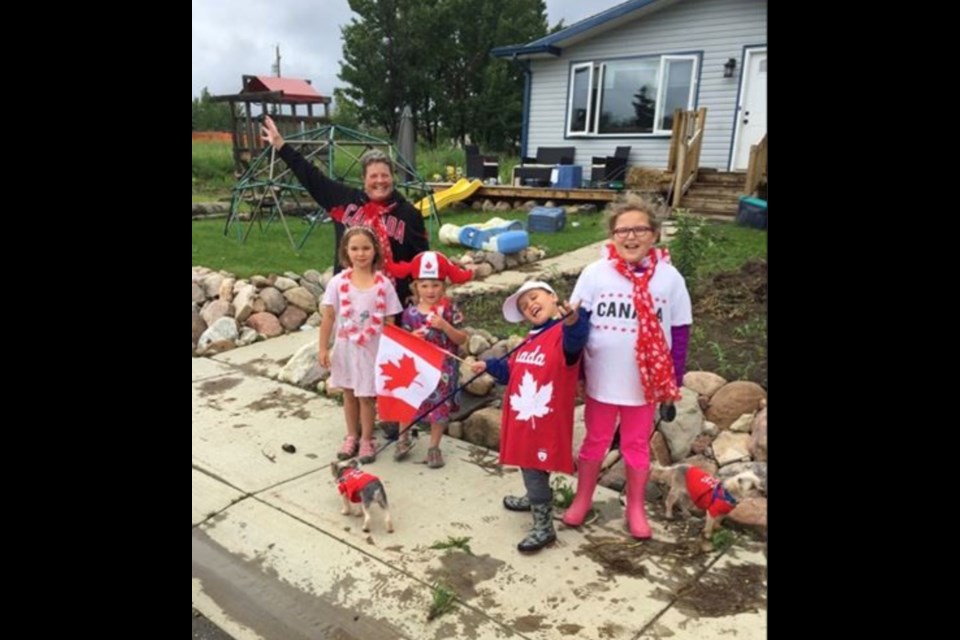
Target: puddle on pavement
x: 463, y: 572
x: 727, y: 591
x: 217, y: 386
x: 286, y: 403
x: 733, y: 589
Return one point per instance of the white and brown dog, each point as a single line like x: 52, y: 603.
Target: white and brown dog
x: 359, y: 487
x: 689, y: 486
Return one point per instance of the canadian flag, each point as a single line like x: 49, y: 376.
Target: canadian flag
x: 408, y: 370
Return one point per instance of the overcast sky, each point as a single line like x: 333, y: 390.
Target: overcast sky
x: 236, y: 37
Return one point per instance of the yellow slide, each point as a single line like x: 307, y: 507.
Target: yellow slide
x: 461, y: 189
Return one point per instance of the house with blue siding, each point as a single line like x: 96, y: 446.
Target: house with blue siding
x: 616, y: 78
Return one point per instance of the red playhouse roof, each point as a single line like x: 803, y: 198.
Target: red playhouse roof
x: 294, y: 89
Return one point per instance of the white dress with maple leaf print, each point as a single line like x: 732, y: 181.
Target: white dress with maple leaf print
x: 538, y: 405
x: 353, y: 366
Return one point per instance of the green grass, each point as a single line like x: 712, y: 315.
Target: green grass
x: 213, y: 166
x: 444, y: 599
x: 563, y: 492
x: 212, y: 170
x: 269, y: 251
x: 264, y: 252
x: 731, y: 247
x: 452, y: 542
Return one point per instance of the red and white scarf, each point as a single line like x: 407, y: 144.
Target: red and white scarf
x: 653, y: 356
x: 349, y: 326
x: 371, y: 215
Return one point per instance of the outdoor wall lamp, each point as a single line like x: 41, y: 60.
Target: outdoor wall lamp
x: 728, y: 68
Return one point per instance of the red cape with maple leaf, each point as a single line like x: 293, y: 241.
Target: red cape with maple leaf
x: 537, y: 430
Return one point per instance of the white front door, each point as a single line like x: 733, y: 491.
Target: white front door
x: 752, y: 110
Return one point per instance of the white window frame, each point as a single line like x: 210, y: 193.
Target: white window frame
x: 593, y: 115
x: 662, y: 95
x: 573, y: 72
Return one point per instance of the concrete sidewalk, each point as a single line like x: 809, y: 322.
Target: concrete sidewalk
x: 274, y: 558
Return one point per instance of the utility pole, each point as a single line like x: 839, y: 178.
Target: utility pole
x: 276, y: 65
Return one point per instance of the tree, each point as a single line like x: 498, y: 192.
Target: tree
x: 210, y: 116
x: 434, y: 55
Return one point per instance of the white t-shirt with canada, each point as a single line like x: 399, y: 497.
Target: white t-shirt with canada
x: 609, y: 360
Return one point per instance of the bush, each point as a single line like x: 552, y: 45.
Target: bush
x: 690, y: 245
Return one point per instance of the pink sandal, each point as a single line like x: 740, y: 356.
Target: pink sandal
x: 348, y: 449
x: 368, y: 452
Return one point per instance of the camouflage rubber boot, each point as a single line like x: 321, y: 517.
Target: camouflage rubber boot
x: 516, y: 503
x: 542, y: 533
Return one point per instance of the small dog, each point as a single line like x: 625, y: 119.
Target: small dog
x: 358, y: 486
x: 690, y: 486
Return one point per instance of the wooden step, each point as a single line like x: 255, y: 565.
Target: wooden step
x: 725, y: 217
x: 715, y: 177
x: 710, y: 206
x: 715, y: 190
x: 731, y: 201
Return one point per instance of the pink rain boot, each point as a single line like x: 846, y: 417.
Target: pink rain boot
x: 636, y: 516
x: 587, y: 472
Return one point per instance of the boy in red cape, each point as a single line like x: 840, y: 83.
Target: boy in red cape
x: 541, y: 378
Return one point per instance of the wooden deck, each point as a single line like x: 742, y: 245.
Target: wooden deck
x: 501, y: 192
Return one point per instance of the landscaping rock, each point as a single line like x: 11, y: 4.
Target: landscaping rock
x: 226, y: 289
x: 752, y: 514
x: 315, y: 289
x: 705, y: 383
x: 313, y: 276
x: 216, y: 310
x: 243, y: 302
x: 199, y: 325
x: 483, y: 428
x: 496, y: 260
x: 743, y: 424
x: 476, y: 344
x: 659, y: 450
x: 758, y: 436
x: 211, y: 285
x: 482, y: 385
x: 223, y: 329
x: 455, y: 429
x: 247, y: 336
x: 292, y: 317
x: 273, y: 299
x: 731, y: 447
x: 302, y: 298
x: 681, y: 432
x: 265, y: 324
x: 733, y: 400
x: 303, y: 369
x: 283, y: 283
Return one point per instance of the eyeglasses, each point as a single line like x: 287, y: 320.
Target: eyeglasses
x: 626, y: 232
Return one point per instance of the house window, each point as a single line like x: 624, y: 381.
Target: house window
x: 582, y: 98
x: 631, y: 97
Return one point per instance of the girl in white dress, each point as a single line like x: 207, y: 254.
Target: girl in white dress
x: 357, y: 302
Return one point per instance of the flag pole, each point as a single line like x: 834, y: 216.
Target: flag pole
x: 425, y: 412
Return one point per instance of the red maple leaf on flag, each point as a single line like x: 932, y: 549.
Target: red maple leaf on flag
x: 399, y: 375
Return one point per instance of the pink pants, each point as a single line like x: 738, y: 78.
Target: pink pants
x: 635, y: 426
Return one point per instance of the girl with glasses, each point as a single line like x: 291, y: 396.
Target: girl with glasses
x: 635, y: 355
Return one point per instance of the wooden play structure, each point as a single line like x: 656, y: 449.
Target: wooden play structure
x: 289, y: 101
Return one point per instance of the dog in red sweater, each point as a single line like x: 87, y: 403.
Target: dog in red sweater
x: 359, y: 487
x: 689, y: 486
